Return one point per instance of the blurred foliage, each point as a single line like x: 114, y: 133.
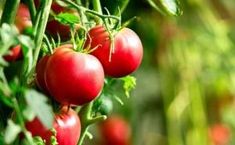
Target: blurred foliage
x: 185, y: 86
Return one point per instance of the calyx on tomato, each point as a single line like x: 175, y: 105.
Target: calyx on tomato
x: 126, y: 55
x: 67, y: 125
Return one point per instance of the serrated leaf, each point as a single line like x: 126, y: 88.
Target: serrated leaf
x: 38, y: 103
x: 67, y: 18
x: 11, y: 132
x: 172, y: 7
x: 129, y: 83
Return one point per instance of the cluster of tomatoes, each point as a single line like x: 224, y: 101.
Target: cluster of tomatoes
x: 76, y: 78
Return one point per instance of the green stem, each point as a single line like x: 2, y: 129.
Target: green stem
x: 32, y: 10
x: 21, y: 121
x: 86, y: 120
x: 45, y: 9
x: 83, y: 135
x: 103, y: 17
x: 9, y: 12
x: 97, y: 6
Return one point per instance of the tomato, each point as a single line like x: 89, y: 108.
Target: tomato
x: 67, y: 125
x: 219, y: 134
x: 115, y: 131
x: 126, y: 56
x: 55, y: 28
x: 72, y: 77
x: 40, y: 72
x: 41, y: 69
x: 23, y: 19
x: 14, y: 54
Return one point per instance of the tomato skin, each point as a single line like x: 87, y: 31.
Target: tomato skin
x: 67, y: 125
x: 115, y: 131
x: 219, y: 134
x: 15, y: 54
x: 23, y: 19
x: 73, y: 78
x: 40, y: 72
x: 54, y: 28
x: 127, y: 54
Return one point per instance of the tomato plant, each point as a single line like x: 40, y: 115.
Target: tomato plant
x: 66, y: 124
x: 55, y: 74
x: 23, y: 19
x: 115, y: 130
x: 121, y: 59
x: 14, y: 54
x: 72, y: 77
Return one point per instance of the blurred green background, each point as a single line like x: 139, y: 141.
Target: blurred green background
x: 185, y: 85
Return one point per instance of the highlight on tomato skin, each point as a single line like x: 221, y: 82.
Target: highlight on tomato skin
x: 67, y: 125
x: 73, y: 78
x: 126, y: 55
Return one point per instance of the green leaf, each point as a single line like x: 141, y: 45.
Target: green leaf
x: 129, y: 83
x: 67, y: 18
x: 38, y: 103
x: 28, y: 114
x: 172, y: 7
x: 11, y: 132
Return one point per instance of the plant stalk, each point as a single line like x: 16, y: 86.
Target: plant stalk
x: 9, y: 11
x: 45, y: 9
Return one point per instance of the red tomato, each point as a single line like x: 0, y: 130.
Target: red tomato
x: 55, y: 28
x: 23, y: 19
x: 115, y: 131
x: 15, y: 54
x: 41, y: 69
x: 73, y: 78
x: 219, y: 134
x: 67, y: 125
x: 40, y: 72
x: 126, y: 56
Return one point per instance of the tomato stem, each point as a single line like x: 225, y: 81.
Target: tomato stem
x: 9, y: 11
x: 45, y: 10
x: 97, y: 7
x: 32, y: 10
x: 87, y: 119
x: 88, y: 11
x: 21, y: 121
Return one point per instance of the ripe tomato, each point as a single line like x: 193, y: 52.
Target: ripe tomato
x: 72, y: 77
x: 23, y: 19
x: 126, y: 56
x: 55, y: 28
x: 41, y: 69
x: 219, y: 134
x: 15, y: 54
x: 115, y: 131
x: 67, y: 125
x: 40, y: 72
